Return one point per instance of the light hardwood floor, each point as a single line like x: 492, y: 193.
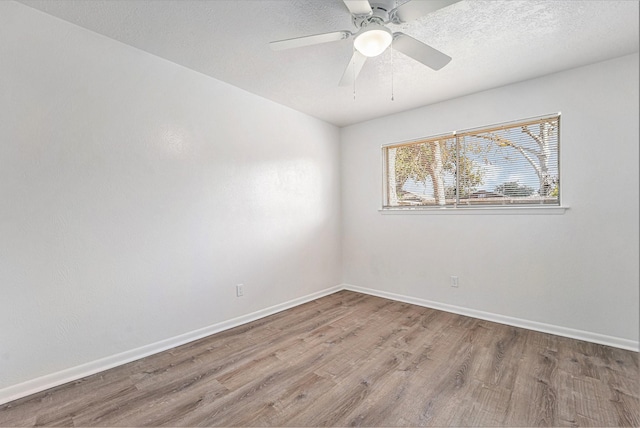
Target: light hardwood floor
x: 350, y: 359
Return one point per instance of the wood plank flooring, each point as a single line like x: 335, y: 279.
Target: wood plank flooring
x: 350, y: 359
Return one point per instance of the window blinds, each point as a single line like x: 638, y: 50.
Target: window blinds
x: 502, y: 165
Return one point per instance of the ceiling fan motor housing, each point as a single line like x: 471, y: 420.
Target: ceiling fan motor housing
x: 379, y: 15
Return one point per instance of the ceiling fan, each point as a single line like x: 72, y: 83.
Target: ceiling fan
x: 373, y: 37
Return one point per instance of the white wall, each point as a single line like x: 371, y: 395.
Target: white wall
x: 574, y: 271
x: 135, y: 194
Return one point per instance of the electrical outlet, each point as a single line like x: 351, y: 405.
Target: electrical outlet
x: 454, y: 281
x: 239, y: 290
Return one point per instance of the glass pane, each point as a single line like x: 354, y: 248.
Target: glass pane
x: 421, y: 174
x: 516, y: 165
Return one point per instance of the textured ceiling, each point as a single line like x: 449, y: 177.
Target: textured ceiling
x: 493, y: 43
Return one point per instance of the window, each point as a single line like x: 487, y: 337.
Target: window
x: 514, y: 164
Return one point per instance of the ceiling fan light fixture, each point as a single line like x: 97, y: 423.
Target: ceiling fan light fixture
x: 372, y: 40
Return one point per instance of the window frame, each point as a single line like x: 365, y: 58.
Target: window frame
x: 457, y: 208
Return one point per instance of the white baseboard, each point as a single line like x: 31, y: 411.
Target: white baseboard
x: 45, y: 382
x: 587, y: 336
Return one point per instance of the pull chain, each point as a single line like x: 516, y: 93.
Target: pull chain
x: 353, y: 69
x: 392, y: 99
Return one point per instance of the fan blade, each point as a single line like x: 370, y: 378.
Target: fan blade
x: 419, y: 51
x: 353, y: 69
x: 358, y: 7
x: 417, y: 8
x: 310, y: 40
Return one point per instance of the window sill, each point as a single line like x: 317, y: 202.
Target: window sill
x: 545, y: 210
